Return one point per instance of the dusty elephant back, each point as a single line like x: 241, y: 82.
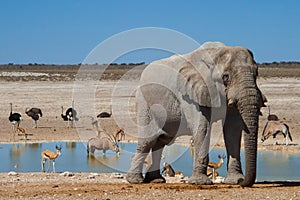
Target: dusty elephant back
x: 171, y: 72
x: 169, y: 67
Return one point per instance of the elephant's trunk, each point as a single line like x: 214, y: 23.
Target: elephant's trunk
x: 248, y: 105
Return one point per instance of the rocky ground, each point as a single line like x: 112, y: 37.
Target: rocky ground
x: 91, y: 98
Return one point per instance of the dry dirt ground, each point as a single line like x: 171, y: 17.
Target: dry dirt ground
x: 106, y: 186
x: 91, y: 98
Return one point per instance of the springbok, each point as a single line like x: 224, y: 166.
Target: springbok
x: 168, y: 170
x: 50, y: 156
x: 273, y: 128
x: 214, y: 166
x: 21, y: 131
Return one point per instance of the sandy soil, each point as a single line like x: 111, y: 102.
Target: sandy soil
x: 111, y: 186
x: 283, y: 96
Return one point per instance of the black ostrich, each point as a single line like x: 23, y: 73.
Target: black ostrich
x: 71, y: 115
x: 34, y: 113
x: 14, y: 118
x: 105, y: 114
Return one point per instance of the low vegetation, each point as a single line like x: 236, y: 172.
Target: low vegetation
x: 115, y: 71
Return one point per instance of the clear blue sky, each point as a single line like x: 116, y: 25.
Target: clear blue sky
x: 65, y: 31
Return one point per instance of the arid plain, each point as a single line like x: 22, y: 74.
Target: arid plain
x: 49, y: 88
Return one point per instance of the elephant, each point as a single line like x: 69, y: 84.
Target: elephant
x: 184, y: 95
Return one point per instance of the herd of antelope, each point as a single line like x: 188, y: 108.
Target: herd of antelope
x: 104, y: 141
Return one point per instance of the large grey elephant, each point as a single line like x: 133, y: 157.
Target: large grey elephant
x: 185, y: 94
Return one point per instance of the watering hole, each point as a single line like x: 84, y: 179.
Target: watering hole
x: 26, y: 157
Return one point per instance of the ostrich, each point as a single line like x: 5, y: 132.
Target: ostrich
x: 96, y: 126
x: 105, y: 114
x: 14, y: 118
x: 34, y: 113
x: 214, y: 166
x: 71, y: 115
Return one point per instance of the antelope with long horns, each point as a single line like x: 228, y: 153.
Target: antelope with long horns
x: 119, y: 134
x: 103, y: 143
x: 273, y: 128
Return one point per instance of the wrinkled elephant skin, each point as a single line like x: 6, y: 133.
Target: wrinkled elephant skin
x: 184, y: 95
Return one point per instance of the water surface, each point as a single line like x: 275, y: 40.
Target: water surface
x: 26, y: 157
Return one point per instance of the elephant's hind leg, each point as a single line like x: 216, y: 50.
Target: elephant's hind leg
x: 134, y: 174
x: 199, y: 176
x: 153, y: 174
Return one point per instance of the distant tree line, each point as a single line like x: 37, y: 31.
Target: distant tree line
x: 129, y: 65
x: 280, y: 64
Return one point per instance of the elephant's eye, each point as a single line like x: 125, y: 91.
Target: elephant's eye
x: 225, y: 78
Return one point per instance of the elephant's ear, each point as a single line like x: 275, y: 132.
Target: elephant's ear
x: 196, y: 83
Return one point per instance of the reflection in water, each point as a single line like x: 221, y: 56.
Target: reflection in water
x: 279, y: 166
x: 26, y: 157
x: 34, y: 145
x: 191, y: 151
x: 122, y: 146
x: 71, y: 145
x: 102, y: 162
x: 17, y: 150
x: 15, y: 153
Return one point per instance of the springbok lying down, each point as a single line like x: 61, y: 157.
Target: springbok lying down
x: 273, y: 128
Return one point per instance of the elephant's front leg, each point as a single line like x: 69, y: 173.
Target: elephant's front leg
x: 153, y: 174
x: 201, y: 147
x: 232, y: 136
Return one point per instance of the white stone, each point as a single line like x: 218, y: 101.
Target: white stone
x: 12, y: 173
x: 219, y: 179
x: 66, y: 173
x: 117, y: 175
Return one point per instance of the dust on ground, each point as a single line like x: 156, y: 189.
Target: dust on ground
x: 114, y: 186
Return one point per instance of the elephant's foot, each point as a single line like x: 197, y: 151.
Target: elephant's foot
x: 200, y: 179
x: 234, y: 178
x: 154, y: 177
x: 134, y: 178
